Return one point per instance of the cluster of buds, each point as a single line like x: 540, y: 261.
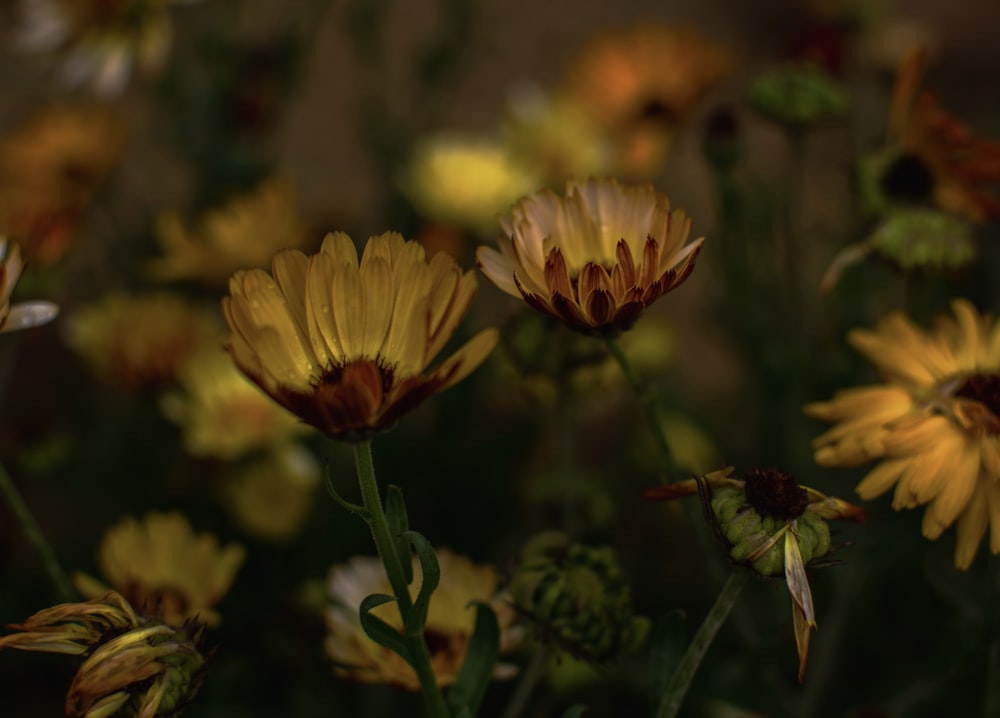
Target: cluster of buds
x: 577, y: 597
x: 772, y: 525
x: 133, y: 665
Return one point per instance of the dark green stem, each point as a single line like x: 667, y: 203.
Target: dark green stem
x: 35, y: 535
x: 650, y: 406
x: 392, y: 562
x: 673, y: 697
x: 526, y: 684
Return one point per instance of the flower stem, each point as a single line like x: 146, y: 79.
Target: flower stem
x: 34, y: 533
x: 393, y: 564
x: 650, y: 405
x: 679, y: 683
x: 526, y: 684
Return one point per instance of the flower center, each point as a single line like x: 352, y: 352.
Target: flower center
x: 981, y: 411
x: 654, y: 111
x: 908, y: 179
x: 775, y: 493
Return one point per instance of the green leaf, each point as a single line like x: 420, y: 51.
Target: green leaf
x: 399, y: 523
x: 575, y: 711
x: 380, y: 631
x: 413, y: 622
x: 353, y: 508
x: 477, y: 669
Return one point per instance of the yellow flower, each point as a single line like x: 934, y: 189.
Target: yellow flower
x: 344, y: 345
x: 271, y: 498
x: 23, y: 314
x: 594, y: 258
x: 245, y: 232
x: 934, y: 423
x: 162, y: 566
x: 640, y: 84
x: 130, y: 660
x: 449, y: 626
x: 221, y: 412
x: 140, y: 341
x: 101, y: 40
x: 464, y: 181
x: 50, y: 166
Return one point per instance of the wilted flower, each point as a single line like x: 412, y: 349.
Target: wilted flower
x: 23, y: 314
x: 100, y: 40
x: 930, y: 157
x: 271, y: 498
x: 221, y: 412
x: 934, y: 423
x: 50, y: 166
x: 797, y: 96
x: 133, y: 665
x: 344, y: 345
x: 577, y: 597
x: 639, y: 84
x: 596, y: 258
x: 773, y: 525
x: 163, y: 567
x: 448, y: 629
x: 245, y: 232
x: 140, y: 341
x: 464, y: 181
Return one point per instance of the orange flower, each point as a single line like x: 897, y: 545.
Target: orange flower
x: 596, y: 258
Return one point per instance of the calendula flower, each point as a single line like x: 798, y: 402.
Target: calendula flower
x: 464, y: 181
x: 344, y: 345
x: 450, y: 620
x: 99, y: 41
x: 934, y: 423
x: 271, y: 498
x: 140, y: 341
x: 133, y: 665
x: 245, y: 232
x: 773, y: 525
x: 640, y: 84
x: 596, y: 258
x: 163, y: 567
x: 51, y: 164
x: 931, y: 158
x: 23, y: 314
x: 221, y: 412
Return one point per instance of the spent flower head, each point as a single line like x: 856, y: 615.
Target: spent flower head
x: 798, y: 96
x: 344, y: 344
x: 595, y: 258
x: 133, y: 665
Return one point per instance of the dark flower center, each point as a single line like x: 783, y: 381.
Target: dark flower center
x: 775, y: 493
x: 908, y: 179
x: 985, y: 389
x: 655, y: 111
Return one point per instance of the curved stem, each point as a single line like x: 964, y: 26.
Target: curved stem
x: 673, y: 697
x: 393, y: 564
x: 650, y: 406
x: 34, y: 533
x: 526, y: 685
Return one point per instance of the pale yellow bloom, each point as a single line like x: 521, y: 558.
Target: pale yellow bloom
x: 464, y: 181
x: 272, y: 497
x: 221, y: 412
x: 245, y: 232
x: 934, y: 423
x: 595, y: 258
x: 23, y: 314
x: 162, y: 566
x: 344, y: 344
x: 448, y: 629
x: 140, y: 341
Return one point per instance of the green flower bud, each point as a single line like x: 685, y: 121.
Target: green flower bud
x: 577, y: 597
x: 924, y: 239
x: 797, y: 96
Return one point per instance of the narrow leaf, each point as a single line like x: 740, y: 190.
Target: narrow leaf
x: 399, y: 523
x: 414, y: 621
x: 477, y: 669
x: 353, y: 508
x: 803, y: 614
x: 380, y: 631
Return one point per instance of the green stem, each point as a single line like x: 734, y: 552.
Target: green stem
x: 35, y: 535
x: 526, y: 684
x: 673, y: 697
x: 393, y: 564
x: 650, y: 406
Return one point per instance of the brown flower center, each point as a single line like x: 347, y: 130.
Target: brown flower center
x: 775, y: 493
x: 908, y: 179
x: 654, y: 111
x: 984, y: 390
